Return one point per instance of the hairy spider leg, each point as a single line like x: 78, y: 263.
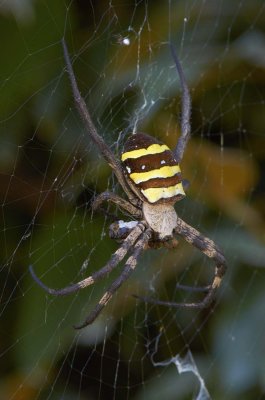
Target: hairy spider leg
x: 194, y: 289
x: 209, y: 248
x: 118, y: 201
x: 115, y: 259
x: 186, y: 109
x: 90, y: 127
x: 129, y: 267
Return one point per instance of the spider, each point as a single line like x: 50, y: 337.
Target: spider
x: 150, y: 176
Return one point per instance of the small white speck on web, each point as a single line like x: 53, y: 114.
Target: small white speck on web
x: 123, y: 40
x: 26, y: 236
x: 129, y: 169
x: 126, y: 41
x: 143, y: 167
x: 162, y: 162
x: 84, y: 265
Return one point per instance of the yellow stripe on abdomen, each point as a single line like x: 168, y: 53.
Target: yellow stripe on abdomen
x: 153, y: 149
x: 163, y: 172
x: 155, y: 194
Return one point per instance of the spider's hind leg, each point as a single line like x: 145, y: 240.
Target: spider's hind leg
x: 211, y: 250
x: 194, y: 289
x: 206, y: 246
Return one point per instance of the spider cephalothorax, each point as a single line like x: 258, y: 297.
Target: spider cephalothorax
x: 149, y: 174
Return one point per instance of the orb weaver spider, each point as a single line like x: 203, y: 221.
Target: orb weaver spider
x: 150, y: 176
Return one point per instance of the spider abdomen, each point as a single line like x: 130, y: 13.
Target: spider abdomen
x: 152, y: 171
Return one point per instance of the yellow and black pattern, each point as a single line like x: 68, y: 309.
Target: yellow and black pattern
x: 152, y: 169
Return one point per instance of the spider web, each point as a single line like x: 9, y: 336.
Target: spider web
x: 50, y: 173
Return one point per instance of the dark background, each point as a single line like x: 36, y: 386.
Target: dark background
x: 50, y: 172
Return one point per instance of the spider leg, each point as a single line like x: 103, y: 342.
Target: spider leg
x: 209, y: 248
x: 186, y: 109
x: 194, y: 289
x: 111, y: 264
x: 90, y: 127
x: 120, y: 202
x: 127, y: 271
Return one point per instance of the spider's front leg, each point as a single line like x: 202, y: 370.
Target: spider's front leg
x: 92, y: 131
x: 186, y: 109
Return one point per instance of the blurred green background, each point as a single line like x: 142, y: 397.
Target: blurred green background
x: 50, y: 172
